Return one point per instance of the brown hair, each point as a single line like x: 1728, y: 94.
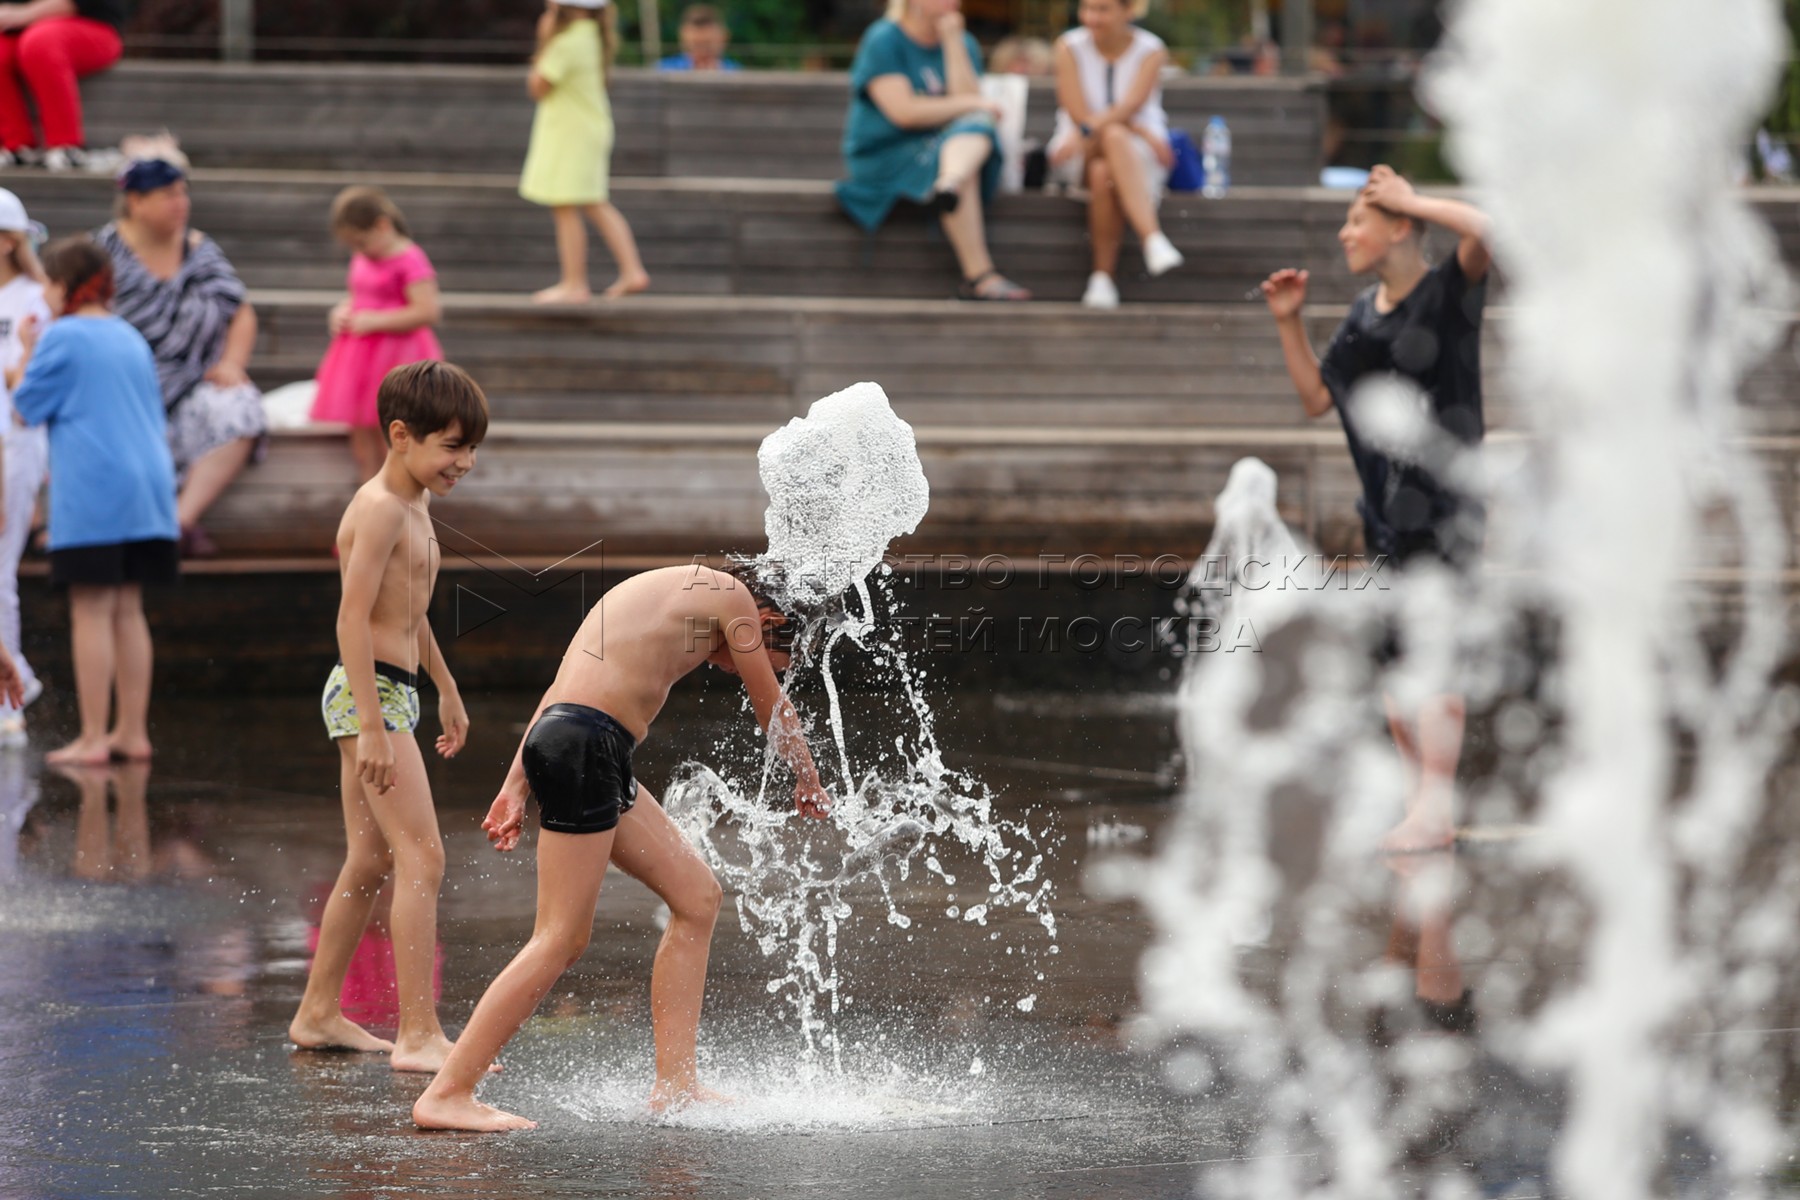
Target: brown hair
x: 359, y: 208
x: 701, y: 16
x: 428, y: 396
x: 84, y: 271
x: 566, y: 15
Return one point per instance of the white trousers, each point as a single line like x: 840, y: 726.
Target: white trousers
x: 27, y: 462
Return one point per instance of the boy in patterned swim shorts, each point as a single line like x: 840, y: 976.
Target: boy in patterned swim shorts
x: 433, y: 416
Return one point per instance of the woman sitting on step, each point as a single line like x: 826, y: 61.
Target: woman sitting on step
x: 179, y: 290
x: 1112, y: 137
x: 920, y: 130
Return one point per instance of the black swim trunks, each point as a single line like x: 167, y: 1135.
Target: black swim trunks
x: 578, y: 763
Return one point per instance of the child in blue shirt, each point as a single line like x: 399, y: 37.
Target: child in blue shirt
x: 92, y: 379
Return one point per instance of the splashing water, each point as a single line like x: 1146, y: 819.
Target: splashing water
x: 1640, y: 289
x: 843, y: 482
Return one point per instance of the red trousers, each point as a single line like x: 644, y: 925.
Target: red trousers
x: 49, y: 56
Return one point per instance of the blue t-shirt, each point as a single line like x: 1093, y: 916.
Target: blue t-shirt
x: 93, y: 382
x: 681, y: 62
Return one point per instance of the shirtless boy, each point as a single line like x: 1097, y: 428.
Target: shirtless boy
x: 641, y: 637
x: 433, y: 416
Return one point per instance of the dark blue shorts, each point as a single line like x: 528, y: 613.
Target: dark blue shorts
x: 578, y: 762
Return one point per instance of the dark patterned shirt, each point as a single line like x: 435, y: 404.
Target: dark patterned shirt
x: 185, y: 318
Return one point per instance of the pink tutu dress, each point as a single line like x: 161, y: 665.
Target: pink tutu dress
x: 356, y: 363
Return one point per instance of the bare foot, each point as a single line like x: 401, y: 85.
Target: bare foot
x: 131, y: 750
x: 82, y: 752
x: 336, y: 1033
x: 562, y: 293
x: 464, y: 1112
x: 668, y: 1098
x: 427, y: 1056
x: 627, y: 285
x: 1420, y: 833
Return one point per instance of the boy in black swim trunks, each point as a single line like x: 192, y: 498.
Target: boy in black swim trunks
x: 433, y: 416
x: 641, y: 637
x: 1421, y: 322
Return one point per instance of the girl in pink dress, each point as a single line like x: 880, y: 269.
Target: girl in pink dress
x: 384, y: 323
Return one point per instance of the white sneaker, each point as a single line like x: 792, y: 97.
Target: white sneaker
x: 1160, y: 255
x: 1101, y: 292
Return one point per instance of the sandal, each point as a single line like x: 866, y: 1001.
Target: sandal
x: 1004, y: 290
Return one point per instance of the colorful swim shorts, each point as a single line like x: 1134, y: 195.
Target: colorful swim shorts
x: 394, y: 686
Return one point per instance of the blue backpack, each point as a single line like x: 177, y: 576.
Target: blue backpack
x: 1188, y: 174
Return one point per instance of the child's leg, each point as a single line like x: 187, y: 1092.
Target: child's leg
x: 1106, y: 223
x: 1434, y: 745
x: 91, y: 623
x: 134, y: 659
x: 320, y: 1022
x: 131, y: 821
x: 24, y: 478
x: 369, y: 450
x: 571, y: 252
x: 650, y: 849
x: 409, y: 826
x: 1120, y: 147
x: 615, y: 231
x: 93, y: 825
x: 571, y: 867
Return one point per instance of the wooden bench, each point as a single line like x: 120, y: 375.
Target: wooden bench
x: 733, y: 237
x: 544, y: 491
x: 461, y: 118
x: 717, y: 360
x: 761, y: 238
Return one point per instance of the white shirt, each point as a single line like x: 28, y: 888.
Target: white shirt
x: 1105, y: 82
x: 22, y: 298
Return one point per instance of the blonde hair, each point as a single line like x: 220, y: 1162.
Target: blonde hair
x: 568, y: 14
x: 23, y: 256
x: 358, y: 208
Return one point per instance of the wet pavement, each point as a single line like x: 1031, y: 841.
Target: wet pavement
x: 154, y: 932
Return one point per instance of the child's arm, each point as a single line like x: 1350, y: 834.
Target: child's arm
x: 44, y: 368
x: 377, y: 535
x: 1285, y: 292
x: 774, y: 711
x: 422, y: 308
x: 452, y: 716
x: 1390, y: 191
x: 506, y: 817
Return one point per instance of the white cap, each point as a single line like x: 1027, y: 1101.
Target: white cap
x: 14, y: 220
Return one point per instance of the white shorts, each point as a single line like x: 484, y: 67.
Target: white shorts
x: 1073, y: 174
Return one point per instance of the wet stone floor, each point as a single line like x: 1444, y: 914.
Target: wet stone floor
x: 154, y: 934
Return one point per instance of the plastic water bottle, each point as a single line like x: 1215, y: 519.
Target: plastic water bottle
x: 1215, y: 158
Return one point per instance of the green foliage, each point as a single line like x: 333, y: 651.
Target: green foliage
x: 1786, y: 117
x: 1204, y: 27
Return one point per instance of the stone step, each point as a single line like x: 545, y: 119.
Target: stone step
x: 752, y: 124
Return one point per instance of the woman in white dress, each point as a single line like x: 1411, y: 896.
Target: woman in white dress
x: 1112, y: 136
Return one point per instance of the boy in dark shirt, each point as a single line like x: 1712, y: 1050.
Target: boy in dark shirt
x: 1422, y: 323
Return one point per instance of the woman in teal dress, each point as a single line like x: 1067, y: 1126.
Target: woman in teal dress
x: 920, y: 130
